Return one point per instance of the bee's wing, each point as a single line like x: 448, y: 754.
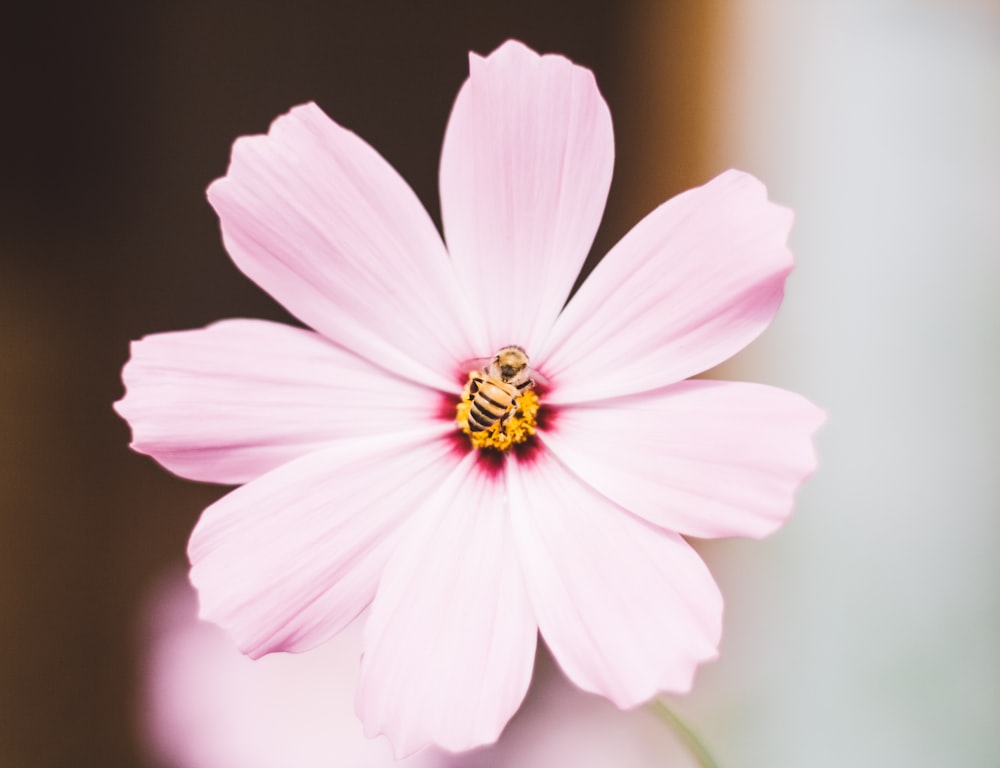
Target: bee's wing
x: 475, y: 364
x: 540, y: 381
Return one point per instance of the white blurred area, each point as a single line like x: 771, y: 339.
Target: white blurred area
x: 867, y: 631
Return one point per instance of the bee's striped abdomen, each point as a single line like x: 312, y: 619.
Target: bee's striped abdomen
x: 492, y: 400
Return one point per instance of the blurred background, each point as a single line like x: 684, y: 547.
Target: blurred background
x: 865, y: 633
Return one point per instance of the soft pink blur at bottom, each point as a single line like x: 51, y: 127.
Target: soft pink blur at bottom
x: 208, y: 706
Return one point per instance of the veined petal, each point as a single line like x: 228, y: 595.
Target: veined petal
x: 232, y: 401
x: 693, y: 283
x: 703, y: 458
x: 450, y: 640
x: 320, y: 221
x: 288, y: 560
x: 627, y: 609
x: 525, y: 171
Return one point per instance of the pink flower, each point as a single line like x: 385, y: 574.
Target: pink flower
x: 360, y: 487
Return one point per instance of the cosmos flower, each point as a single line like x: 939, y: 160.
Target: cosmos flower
x: 205, y: 705
x: 367, y: 480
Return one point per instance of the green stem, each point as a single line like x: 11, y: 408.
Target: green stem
x: 684, y: 733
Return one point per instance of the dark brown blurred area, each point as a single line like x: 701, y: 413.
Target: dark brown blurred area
x: 116, y: 119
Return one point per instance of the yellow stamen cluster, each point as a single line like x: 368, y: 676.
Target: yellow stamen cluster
x: 517, y: 428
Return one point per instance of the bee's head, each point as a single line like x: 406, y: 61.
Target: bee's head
x: 510, y: 361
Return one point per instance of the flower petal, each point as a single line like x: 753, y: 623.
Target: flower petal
x: 320, y: 221
x: 450, y: 641
x: 288, y: 560
x: 628, y: 610
x: 234, y: 400
x: 525, y: 171
x: 206, y: 705
x: 693, y: 283
x: 703, y: 458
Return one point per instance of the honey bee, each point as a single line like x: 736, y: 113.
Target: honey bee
x: 494, y: 390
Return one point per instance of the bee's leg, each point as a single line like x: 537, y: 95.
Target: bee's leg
x: 517, y: 411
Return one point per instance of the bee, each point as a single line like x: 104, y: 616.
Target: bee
x: 494, y: 390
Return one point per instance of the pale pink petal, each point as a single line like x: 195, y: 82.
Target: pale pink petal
x: 209, y: 706
x: 525, y: 171
x: 318, y: 219
x: 286, y: 561
x: 628, y: 609
x: 450, y: 641
x: 231, y: 401
x: 206, y: 705
x: 693, y: 283
x: 703, y: 458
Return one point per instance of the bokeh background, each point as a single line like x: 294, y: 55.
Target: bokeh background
x: 865, y: 633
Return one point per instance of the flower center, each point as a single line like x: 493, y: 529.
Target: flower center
x: 495, y: 413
